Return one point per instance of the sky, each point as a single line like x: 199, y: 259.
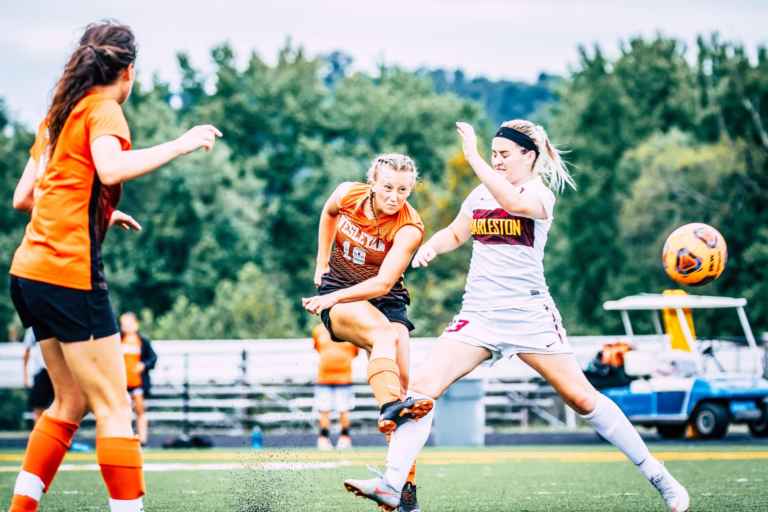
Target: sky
x: 512, y: 39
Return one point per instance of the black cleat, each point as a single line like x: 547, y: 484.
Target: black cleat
x: 408, y: 501
x: 395, y: 413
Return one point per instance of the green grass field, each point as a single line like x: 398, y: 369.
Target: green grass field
x: 559, y: 478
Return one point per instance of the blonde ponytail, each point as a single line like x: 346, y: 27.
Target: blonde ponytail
x: 549, y: 164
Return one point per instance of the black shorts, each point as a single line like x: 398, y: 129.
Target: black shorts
x: 41, y: 394
x: 395, y: 311
x: 63, y: 313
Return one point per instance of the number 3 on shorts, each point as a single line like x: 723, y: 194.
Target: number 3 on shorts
x: 456, y: 325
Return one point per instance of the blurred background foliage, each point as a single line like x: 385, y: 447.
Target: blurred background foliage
x: 656, y: 137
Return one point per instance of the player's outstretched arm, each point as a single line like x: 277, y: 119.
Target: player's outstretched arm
x: 406, y: 242
x: 509, y: 196
x: 327, y: 230
x: 447, y: 239
x: 114, y: 165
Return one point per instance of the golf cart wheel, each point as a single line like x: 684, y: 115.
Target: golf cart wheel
x: 671, y: 430
x: 710, y: 421
x: 759, y: 428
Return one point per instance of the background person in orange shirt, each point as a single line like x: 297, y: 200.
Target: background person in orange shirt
x: 140, y: 359
x: 57, y: 276
x: 333, y: 391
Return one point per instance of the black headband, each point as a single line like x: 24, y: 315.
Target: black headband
x: 518, y: 137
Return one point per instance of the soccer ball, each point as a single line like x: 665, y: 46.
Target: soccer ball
x: 694, y: 254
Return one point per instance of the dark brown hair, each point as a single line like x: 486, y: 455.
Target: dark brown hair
x: 105, y: 49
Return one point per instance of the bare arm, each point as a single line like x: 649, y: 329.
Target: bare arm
x: 327, y: 230
x: 23, y: 196
x: 447, y: 239
x: 395, y: 262
x: 114, y: 165
x: 509, y: 196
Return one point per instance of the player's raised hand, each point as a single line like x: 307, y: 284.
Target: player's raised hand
x: 468, y: 138
x: 202, y: 136
x: 424, y: 255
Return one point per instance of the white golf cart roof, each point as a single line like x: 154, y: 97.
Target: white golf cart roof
x: 655, y: 301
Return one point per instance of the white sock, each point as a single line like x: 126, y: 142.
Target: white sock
x: 650, y: 467
x: 136, y: 505
x: 29, y: 484
x: 406, y: 443
x: 611, y: 423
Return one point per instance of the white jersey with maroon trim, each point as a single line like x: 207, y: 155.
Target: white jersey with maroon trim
x: 507, y: 267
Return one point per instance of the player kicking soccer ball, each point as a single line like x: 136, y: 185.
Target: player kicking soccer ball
x: 507, y: 310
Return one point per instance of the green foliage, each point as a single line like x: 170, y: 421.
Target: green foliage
x: 14, y: 152
x: 229, y: 237
x: 13, y: 403
x: 253, y: 306
x: 503, y: 99
x: 656, y: 142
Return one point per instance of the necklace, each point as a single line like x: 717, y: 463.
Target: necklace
x: 375, y: 216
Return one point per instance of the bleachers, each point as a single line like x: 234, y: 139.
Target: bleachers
x: 228, y: 387
x: 284, y: 408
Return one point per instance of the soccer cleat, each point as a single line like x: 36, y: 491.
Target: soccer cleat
x: 375, y: 489
x: 673, y: 493
x: 324, y: 444
x: 394, y: 414
x: 408, y: 501
x: 344, y: 443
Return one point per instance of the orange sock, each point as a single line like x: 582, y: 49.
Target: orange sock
x: 412, y: 474
x: 48, y: 443
x: 384, y: 378
x: 121, y: 462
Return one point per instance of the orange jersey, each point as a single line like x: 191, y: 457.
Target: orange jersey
x: 335, y: 358
x: 131, y: 344
x: 62, y: 242
x: 362, y: 243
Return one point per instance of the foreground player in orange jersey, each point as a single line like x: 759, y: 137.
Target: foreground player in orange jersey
x: 57, y: 279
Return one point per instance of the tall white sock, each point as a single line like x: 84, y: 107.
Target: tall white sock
x: 611, y: 423
x: 406, y: 443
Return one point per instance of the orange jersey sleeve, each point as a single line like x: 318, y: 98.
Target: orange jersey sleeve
x: 107, y: 118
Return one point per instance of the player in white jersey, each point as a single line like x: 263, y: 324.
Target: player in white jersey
x: 507, y: 309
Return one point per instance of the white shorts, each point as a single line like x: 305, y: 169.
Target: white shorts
x: 535, y: 328
x: 334, y: 397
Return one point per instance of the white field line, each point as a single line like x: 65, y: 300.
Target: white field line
x: 185, y: 466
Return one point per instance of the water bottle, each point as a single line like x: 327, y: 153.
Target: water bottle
x: 257, y: 441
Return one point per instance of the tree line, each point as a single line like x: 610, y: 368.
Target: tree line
x: 657, y: 137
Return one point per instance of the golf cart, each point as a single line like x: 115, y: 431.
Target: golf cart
x: 680, y: 384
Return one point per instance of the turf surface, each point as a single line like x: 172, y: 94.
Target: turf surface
x: 563, y: 478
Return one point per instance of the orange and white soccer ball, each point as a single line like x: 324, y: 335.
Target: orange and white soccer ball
x: 694, y: 254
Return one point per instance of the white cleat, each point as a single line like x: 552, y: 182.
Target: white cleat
x: 375, y: 489
x: 673, y: 493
